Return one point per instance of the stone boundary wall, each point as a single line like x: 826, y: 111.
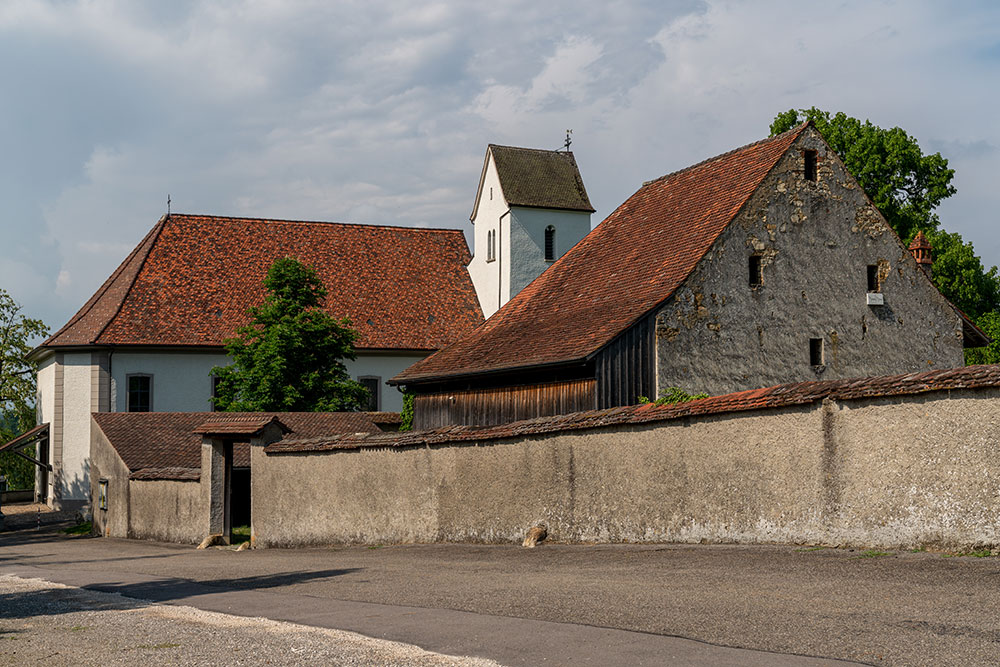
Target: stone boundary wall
x: 858, y: 466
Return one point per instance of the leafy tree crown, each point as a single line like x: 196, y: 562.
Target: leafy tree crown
x: 290, y: 356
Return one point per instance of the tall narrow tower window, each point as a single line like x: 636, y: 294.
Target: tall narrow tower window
x: 491, y: 245
x: 873, y: 281
x: 810, y: 164
x: 550, y: 243
x: 756, y: 271
x: 816, y: 352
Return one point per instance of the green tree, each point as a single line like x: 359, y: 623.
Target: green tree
x: 906, y: 186
x: 289, y: 357
x: 902, y: 182
x: 17, y: 385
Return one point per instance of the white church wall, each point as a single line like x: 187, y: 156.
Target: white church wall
x: 73, y: 476
x: 485, y: 273
x: 527, y: 241
x: 181, y: 381
x: 384, y: 365
x: 45, y: 411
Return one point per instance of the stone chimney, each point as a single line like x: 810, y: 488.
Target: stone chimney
x: 921, y: 249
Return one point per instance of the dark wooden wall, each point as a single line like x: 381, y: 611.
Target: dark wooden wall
x: 626, y: 368
x: 500, y: 405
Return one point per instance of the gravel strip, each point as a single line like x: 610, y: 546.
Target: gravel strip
x: 47, y: 623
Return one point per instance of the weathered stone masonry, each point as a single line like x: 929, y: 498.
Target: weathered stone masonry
x: 815, y: 241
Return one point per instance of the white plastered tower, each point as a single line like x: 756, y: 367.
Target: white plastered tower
x: 531, y: 207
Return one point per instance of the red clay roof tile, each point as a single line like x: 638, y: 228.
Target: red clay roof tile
x: 192, y: 278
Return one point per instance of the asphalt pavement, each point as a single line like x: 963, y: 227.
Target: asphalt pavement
x: 570, y: 604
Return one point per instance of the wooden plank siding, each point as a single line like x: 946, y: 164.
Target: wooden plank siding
x: 500, y: 405
x: 626, y: 368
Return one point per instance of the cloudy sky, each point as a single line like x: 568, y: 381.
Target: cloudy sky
x: 380, y: 112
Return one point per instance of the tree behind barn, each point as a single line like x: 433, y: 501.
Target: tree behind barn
x: 290, y: 357
x: 907, y: 186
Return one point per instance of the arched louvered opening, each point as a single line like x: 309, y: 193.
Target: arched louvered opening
x: 550, y: 243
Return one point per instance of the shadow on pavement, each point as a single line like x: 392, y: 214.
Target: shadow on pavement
x: 53, y: 601
x: 167, y: 590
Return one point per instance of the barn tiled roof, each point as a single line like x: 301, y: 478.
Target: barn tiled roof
x: 540, y: 178
x: 779, y: 396
x: 624, y: 268
x: 164, y: 445
x: 192, y: 278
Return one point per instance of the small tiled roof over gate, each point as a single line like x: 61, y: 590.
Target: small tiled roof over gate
x: 193, y: 277
x: 165, y: 445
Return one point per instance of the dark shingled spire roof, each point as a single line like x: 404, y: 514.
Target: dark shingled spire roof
x: 540, y: 178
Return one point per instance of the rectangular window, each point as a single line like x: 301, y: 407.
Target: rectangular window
x: 102, y: 495
x: 873, y: 285
x: 810, y: 164
x: 140, y: 393
x: 756, y: 271
x: 815, y: 351
x: 491, y: 245
x: 374, y: 386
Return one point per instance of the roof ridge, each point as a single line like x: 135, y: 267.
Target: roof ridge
x: 537, y: 150
x: 797, y: 128
x: 313, y: 222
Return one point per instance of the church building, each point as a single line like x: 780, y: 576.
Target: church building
x: 147, y: 340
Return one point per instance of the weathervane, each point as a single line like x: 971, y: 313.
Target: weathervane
x: 168, y: 204
x: 569, y: 139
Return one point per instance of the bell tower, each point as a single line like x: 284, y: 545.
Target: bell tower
x: 531, y: 207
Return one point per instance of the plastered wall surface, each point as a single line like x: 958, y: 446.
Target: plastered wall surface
x: 899, y: 473
x: 717, y: 334
x: 487, y: 276
x: 384, y: 366
x: 527, y: 240
x: 180, y: 379
x: 45, y: 413
x: 74, y: 473
x: 168, y: 511
x: 105, y: 463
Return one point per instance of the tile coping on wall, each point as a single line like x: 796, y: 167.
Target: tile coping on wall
x: 784, y: 395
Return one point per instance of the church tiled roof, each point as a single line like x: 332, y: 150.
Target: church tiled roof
x: 192, y: 278
x: 540, y: 178
x: 623, y: 269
